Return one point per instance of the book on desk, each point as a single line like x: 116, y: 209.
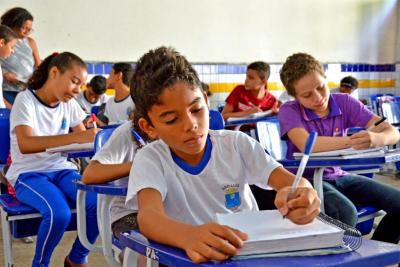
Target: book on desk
x: 71, y: 148
x: 348, y: 153
x: 269, y: 233
x: 251, y: 116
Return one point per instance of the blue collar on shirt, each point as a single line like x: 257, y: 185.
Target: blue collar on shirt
x: 334, y: 110
x: 194, y: 170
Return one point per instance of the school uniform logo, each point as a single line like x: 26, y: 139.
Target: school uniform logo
x: 337, y: 132
x: 232, y: 196
x: 64, y: 124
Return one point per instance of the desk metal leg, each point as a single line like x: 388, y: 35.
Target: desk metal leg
x: 130, y: 258
x: 81, y: 222
x: 7, y: 240
x: 105, y: 217
x: 318, y: 186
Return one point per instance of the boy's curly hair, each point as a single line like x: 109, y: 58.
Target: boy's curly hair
x: 155, y: 71
x: 296, y: 67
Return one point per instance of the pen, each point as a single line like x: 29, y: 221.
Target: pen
x: 307, y: 151
x: 138, y: 137
x: 93, y: 117
x: 376, y: 124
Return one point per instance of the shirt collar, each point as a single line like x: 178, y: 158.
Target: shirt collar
x: 334, y: 110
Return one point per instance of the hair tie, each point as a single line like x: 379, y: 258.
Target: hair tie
x: 55, y: 54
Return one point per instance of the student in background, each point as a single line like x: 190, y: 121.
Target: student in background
x: 315, y: 109
x: 112, y: 162
x: 94, y: 95
x: 41, y: 118
x: 119, y: 108
x: 206, y: 89
x: 8, y: 40
x: 253, y: 96
x: 204, y: 171
x: 348, y: 85
x: 18, y: 68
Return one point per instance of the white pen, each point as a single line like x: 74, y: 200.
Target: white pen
x: 93, y: 117
x: 307, y: 151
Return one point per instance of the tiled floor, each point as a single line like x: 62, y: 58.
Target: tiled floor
x: 23, y: 253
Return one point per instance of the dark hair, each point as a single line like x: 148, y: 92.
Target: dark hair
x: 206, y: 89
x: 263, y: 69
x: 63, y: 62
x: 126, y: 70
x: 15, y: 17
x: 156, y: 70
x: 349, y: 81
x: 98, y: 84
x: 296, y: 67
x: 6, y: 33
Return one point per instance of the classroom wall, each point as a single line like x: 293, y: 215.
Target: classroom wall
x: 233, y: 31
x: 352, y: 37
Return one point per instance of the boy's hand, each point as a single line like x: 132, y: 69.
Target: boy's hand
x: 253, y: 110
x: 88, y: 135
x: 364, y: 140
x: 213, y: 241
x: 302, y: 208
x: 10, y: 77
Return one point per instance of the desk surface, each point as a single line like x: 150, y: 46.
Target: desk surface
x: 371, y: 253
x: 391, y: 156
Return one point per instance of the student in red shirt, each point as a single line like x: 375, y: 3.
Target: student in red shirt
x: 253, y: 96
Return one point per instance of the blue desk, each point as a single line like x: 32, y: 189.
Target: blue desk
x: 105, y: 193
x: 371, y: 253
x: 320, y: 165
x: 80, y: 154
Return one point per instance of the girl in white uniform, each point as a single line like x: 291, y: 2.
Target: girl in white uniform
x: 181, y: 180
x: 41, y: 118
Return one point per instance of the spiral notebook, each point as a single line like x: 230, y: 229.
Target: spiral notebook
x: 271, y: 235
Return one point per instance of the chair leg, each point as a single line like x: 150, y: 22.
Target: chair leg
x: 7, y: 241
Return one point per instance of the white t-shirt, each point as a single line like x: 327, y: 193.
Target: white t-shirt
x: 2, y: 105
x: 120, y: 148
x: 86, y: 105
x: 118, y: 112
x: 44, y: 121
x: 219, y: 184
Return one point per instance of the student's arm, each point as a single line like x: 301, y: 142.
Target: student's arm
x: 227, y: 112
x: 98, y: 173
x: 28, y: 143
x: 205, y: 242
x: 8, y: 104
x: 304, y: 206
x: 35, y: 51
x: 298, y: 136
x: 381, y: 135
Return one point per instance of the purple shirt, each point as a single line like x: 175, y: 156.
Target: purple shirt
x: 344, y: 112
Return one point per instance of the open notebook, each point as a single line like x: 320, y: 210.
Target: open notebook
x: 348, y: 153
x: 251, y: 116
x: 71, y: 147
x: 268, y: 232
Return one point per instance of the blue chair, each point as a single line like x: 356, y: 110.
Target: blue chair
x: 4, y: 143
x: 95, y: 110
x: 109, y: 245
x: 268, y: 134
x: 375, y: 103
x: 4, y: 135
x: 216, y: 120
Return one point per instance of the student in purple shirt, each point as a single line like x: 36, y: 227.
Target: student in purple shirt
x: 314, y: 109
